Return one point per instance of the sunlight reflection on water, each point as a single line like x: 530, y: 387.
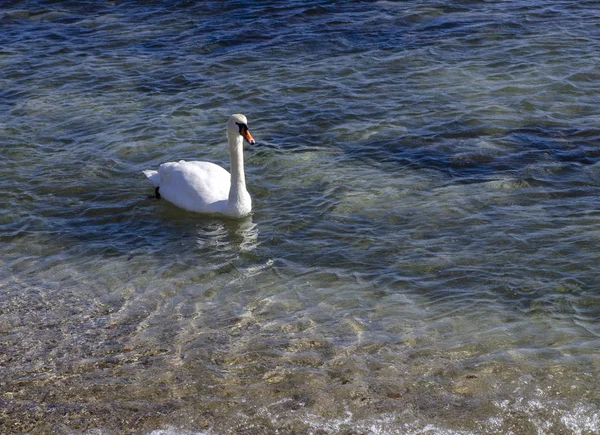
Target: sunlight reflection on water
x: 423, y: 250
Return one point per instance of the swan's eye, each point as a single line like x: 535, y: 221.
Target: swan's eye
x: 243, y: 128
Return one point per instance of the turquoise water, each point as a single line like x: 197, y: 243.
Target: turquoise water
x: 422, y: 256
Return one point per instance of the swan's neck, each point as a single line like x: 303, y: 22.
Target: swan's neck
x: 236, y: 151
x: 239, y: 199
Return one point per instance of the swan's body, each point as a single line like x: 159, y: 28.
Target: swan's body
x: 204, y: 187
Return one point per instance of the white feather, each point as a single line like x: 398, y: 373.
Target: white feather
x: 204, y: 187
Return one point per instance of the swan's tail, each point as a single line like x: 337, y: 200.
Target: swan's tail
x: 153, y: 177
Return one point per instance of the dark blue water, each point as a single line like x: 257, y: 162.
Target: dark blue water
x: 422, y: 254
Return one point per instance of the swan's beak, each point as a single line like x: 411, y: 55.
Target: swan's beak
x: 246, y: 135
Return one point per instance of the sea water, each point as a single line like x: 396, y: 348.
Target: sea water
x: 422, y: 255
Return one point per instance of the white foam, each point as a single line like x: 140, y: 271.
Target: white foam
x: 582, y: 419
x: 174, y: 431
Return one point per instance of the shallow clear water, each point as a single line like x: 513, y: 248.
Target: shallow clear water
x: 422, y: 256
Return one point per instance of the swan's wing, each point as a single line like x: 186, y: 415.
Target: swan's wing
x: 194, y: 185
x: 153, y: 176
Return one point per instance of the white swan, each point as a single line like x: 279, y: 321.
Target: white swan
x: 204, y: 187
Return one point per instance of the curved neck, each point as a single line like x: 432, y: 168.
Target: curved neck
x: 239, y: 202
x: 238, y: 180
x: 236, y: 151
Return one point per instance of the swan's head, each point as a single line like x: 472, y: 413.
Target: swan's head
x: 238, y: 126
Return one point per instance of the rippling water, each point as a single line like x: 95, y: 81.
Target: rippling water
x: 423, y: 253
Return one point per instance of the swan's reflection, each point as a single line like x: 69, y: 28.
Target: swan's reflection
x: 239, y: 236
x: 232, y: 245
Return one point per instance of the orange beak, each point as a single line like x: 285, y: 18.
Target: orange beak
x: 246, y: 135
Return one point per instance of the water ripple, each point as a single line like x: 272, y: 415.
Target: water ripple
x: 424, y: 231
